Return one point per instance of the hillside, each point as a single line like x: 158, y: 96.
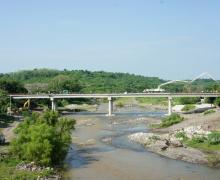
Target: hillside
x: 83, y: 81
x: 88, y: 81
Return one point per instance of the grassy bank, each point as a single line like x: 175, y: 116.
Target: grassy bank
x: 210, y: 145
x: 168, y: 121
x: 8, y: 171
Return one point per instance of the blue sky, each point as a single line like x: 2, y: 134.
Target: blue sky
x: 172, y: 39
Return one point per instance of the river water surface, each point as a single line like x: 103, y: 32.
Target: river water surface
x: 109, y: 155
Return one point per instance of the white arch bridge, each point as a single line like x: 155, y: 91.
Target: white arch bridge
x: 110, y: 97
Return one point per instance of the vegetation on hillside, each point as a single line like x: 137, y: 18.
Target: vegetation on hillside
x: 46, y: 80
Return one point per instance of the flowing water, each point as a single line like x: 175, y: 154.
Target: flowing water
x: 109, y: 155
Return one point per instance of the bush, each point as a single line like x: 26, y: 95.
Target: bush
x: 170, y: 120
x: 189, y: 100
x: 4, y: 101
x: 210, y: 111
x: 43, y: 139
x: 217, y: 101
x: 214, y: 138
x: 181, y: 135
x: 188, y: 107
x: 198, y: 139
x: 120, y: 104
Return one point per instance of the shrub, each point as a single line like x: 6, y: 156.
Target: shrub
x: 210, y: 111
x: 181, y: 135
x: 120, y: 104
x: 43, y: 139
x: 189, y: 100
x: 188, y: 107
x: 170, y: 120
x: 198, y: 139
x: 214, y: 138
x: 4, y: 101
x: 217, y: 101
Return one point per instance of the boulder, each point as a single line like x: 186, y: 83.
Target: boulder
x: 107, y: 140
x: 142, y: 138
x: 195, y: 130
x: 174, y: 142
x: 159, y: 145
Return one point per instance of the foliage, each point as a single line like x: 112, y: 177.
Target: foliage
x: 62, y: 83
x: 89, y: 82
x: 4, y: 101
x: 217, y: 102
x: 214, y: 138
x: 6, y: 120
x: 43, y: 139
x: 37, y: 80
x: 209, y: 143
x: 170, y: 120
x: 120, y: 104
x: 210, y: 100
x: 181, y: 135
x: 210, y: 111
x: 198, y: 139
x: 12, y: 86
x: 8, y: 171
x: 188, y: 107
x: 188, y: 100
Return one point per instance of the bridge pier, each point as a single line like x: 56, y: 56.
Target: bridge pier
x: 53, y: 104
x: 169, y: 105
x: 110, y: 106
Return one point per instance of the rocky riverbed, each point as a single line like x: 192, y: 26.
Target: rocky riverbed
x: 166, y: 143
x: 114, y: 148
x: 170, y: 146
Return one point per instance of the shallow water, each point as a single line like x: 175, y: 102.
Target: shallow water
x: 122, y: 159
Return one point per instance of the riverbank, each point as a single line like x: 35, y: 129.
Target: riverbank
x: 170, y: 142
x: 101, y: 150
x: 14, y: 163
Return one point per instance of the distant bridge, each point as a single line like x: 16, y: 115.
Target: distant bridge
x: 159, y: 88
x: 110, y: 97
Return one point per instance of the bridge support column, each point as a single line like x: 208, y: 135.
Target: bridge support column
x: 110, y: 106
x: 53, y: 104
x: 169, y: 106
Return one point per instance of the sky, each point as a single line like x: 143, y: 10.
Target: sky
x: 170, y: 39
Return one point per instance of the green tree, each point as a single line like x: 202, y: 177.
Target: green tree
x: 4, y: 101
x: 63, y: 82
x: 12, y: 86
x: 43, y: 138
x: 189, y: 100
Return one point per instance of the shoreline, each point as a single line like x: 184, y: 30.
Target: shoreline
x: 164, y: 142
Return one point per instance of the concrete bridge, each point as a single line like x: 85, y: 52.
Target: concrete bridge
x: 110, y: 97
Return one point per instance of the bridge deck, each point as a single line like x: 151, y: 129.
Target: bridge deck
x: 114, y: 95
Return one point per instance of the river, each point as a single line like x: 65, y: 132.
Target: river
x: 102, y: 151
